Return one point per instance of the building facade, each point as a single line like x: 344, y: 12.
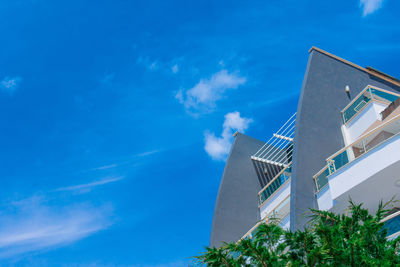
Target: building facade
x: 343, y: 142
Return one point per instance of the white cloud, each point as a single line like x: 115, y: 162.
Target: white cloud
x: 153, y: 66
x: 233, y: 121
x: 370, y: 6
x: 175, y: 68
x: 10, y: 84
x: 207, y: 91
x: 32, y: 225
x: 87, y: 187
x: 218, y: 147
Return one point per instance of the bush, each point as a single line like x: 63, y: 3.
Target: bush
x: 354, y: 239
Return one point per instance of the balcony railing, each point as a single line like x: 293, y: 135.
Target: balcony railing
x: 281, y: 178
x: 280, y: 212
x: 361, y: 146
x: 363, y: 98
x: 277, y: 215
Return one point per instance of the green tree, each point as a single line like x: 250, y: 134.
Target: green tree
x: 353, y: 239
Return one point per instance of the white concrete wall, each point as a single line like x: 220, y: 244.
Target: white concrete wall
x: 364, y: 167
x: 363, y: 120
x: 277, y: 198
x: 324, y: 199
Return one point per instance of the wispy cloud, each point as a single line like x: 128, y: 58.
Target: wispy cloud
x: 206, y: 92
x: 10, y: 84
x: 370, y: 6
x: 153, y: 66
x: 126, y: 160
x: 104, y: 167
x: 148, y: 153
x: 167, y: 67
x: 175, y: 68
x: 32, y: 225
x: 90, y: 185
x: 148, y: 63
x: 108, y: 78
x: 218, y: 147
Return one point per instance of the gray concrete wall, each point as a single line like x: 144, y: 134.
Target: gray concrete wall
x: 236, y: 207
x: 318, y: 124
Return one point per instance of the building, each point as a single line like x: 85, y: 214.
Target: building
x: 342, y: 142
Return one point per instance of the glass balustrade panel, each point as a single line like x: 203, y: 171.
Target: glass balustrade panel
x: 383, y: 96
x: 275, y: 185
x: 356, y: 106
x: 322, y: 179
x: 393, y: 225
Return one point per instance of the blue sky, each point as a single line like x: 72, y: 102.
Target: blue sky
x: 116, y: 116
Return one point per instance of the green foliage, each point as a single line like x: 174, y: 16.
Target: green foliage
x: 354, y: 239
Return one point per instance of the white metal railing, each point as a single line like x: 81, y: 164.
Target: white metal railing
x: 278, y: 149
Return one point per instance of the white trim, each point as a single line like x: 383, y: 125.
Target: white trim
x: 393, y: 236
x: 283, y: 137
x: 391, y: 216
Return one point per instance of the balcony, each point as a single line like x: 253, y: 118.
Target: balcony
x: 361, y: 101
x: 365, y: 171
x: 364, y: 145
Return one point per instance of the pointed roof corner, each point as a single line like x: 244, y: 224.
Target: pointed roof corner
x: 369, y: 70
